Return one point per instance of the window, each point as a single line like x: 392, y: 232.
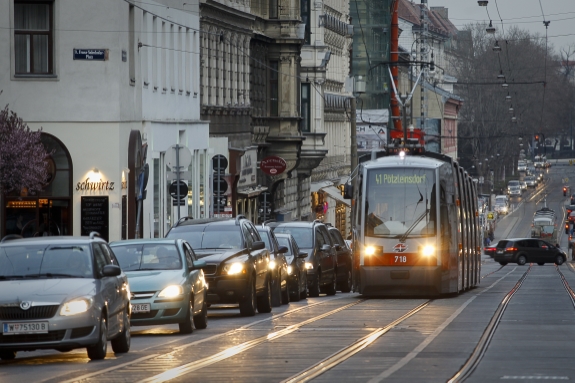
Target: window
x: 305, y: 18
x: 33, y: 40
x: 274, y: 91
x: 305, y: 108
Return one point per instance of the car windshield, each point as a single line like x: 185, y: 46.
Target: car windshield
x: 209, y: 237
x: 147, y: 257
x: 302, y: 235
x: 46, y: 261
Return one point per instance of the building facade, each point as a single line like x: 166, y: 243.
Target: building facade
x: 114, y: 86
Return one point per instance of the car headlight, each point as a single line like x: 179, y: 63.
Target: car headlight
x: 289, y: 270
x: 272, y: 265
x: 76, y: 306
x: 309, y: 266
x: 428, y: 250
x: 171, y: 291
x: 234, y: 268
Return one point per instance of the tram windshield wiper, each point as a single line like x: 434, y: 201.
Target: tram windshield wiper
x: 403, y: 237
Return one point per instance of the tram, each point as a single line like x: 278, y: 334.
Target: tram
x: 415, y: 226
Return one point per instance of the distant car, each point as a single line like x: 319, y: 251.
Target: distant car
x: 278, y: 262
x: 166, y: 281
x: 569, y: 209
x: 523, y: 185
x: 297, y: 272
x: 62, y: 293
x: 525, y: 250
x: 512, y: 183
x: 238, y: 263
x: 530, y: 181
x: 501, y: 208
x: 571, y: 217
x: 515, y: 191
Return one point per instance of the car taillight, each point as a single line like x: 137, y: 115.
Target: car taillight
x: 511, y: 249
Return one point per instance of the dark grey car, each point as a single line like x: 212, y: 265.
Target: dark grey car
x: 62, y: 293
x: 526, y: 250
x: 321, y: 263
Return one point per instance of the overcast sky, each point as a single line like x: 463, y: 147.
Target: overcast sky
x: 525, y: 14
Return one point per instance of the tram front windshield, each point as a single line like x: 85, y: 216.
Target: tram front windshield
x: 400, y: 203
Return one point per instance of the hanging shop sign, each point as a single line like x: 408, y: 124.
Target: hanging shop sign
x: 273, y: 165
x: 248, y: 169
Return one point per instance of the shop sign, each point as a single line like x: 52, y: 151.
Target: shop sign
x: 88, y: 185
x: 248, y: 169
x: 94, y: 216
x: 91, y: 54
x: 273, y: 165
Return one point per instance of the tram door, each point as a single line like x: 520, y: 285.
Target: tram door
x: 38, y: 217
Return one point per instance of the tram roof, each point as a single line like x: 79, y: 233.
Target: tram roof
x: 409, y: 160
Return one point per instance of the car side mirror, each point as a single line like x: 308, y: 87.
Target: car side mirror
x: 326, y: 247
x: 258, y: 245
x: 198, y: 265
x: 283, y: 249
x: 302, y: 254
x: 111, y: 271
x: 338, y: 247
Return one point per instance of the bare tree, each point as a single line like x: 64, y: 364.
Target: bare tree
x: 22, y: 155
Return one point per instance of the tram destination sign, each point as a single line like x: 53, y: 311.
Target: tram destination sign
x: 90, y: 54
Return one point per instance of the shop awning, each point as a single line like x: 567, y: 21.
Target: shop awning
x: 252, y: 192
x: 317, y: 186
x: 335, y: 193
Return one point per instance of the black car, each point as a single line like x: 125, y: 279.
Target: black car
x: 344, y: 264
x: 297, y: 273
x: 525, y: 250
x: 237, y: 261
x: 279, y: 265
x: 321, y: 263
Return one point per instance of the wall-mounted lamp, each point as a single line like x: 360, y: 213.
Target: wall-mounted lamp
x: 95, y: 170
x: 490, y: 29
x: 497, y: 47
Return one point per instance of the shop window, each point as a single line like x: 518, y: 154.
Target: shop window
x: 33, y: 37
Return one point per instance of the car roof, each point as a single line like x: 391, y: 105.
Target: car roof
x: 62, y: 240
x: 144, y: 241
x: 300, y: 223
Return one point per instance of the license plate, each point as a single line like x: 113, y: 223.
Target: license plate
x: 141, y: 308
x: 25, y: 328
x: 499, y: 251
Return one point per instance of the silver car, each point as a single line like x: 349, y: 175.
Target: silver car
x: 62, y: 293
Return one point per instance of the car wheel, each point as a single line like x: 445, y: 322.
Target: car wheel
x: 248, y: 304
x: 265, y: 300
x: 285, y: 294
x: 521, y: 260
x: 502, y: 263
x: 296, y: 296
x: 99, y: 350
x: 313, y: 285
x: 346, y: 285
x: 201, y: 320
x: 276, y: 291
x: 540, y: 263
x: 331, y: 289
x: 121, y: 343
x: 187, y: 326
x: 559, y: 260
x: 7, y: 355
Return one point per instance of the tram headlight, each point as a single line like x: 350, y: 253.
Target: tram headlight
x: 428, y: 250
x: 369, y: 250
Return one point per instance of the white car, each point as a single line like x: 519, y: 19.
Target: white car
x: 515, y: 191
x: 501, y: 208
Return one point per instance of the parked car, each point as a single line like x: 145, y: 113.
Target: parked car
x: 344, y: 262
x: 62, y: 293
x: 237, y: 261
x: 321, y: 263
x: 525, y: 250
x: 279, y: 265
x: 167, y: 283
x: 297, y: 273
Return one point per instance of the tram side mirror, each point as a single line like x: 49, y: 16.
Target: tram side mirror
x: 348, y: 191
